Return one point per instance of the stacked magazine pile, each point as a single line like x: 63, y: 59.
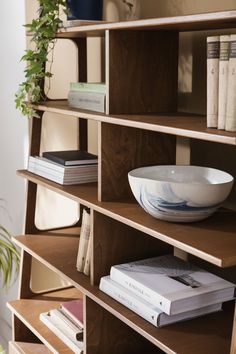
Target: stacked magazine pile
x: 66, y: 322
x: 166, y: 289
x: 65, y: 167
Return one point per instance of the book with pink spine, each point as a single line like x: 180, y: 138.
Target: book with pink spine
x: 74, y: 311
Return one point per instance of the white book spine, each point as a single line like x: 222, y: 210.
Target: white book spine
x: 223, y: 80
x: 48, y: 321
x: 83, y: 242
x: 129, y: 300
x: 213, y: 45
x: 141, y: 290
x: 230, y: 124
x: 87, y: 100
x: 69, y: 328
x: 88, y: 256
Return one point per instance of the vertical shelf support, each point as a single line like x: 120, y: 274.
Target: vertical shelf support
x: 81, y: 44
x: 122, y: 149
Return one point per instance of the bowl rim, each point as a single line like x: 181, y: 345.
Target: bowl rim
x: 227, y: 175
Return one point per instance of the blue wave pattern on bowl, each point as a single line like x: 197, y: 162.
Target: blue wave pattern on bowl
x: 189, y: 193
x: 165, y: 209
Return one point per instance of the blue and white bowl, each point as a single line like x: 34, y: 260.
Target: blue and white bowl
x: 180, y: 193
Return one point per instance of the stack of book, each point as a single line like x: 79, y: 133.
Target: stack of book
x: 221, y: 82
x: 166, y: 289
x: 85, y: 244
x: 65, y: 167
x: 91, y: 96
x: 67, y: 323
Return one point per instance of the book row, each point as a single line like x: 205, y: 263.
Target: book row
x: 221, y: 82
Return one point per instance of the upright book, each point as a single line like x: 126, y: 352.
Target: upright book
x: 223, y: 79
x: 149, y: 312
x: 171, y: 284
x: 213, y: 50
x: 84, y: 240
x: 71, y: 157
x: 230, y: 122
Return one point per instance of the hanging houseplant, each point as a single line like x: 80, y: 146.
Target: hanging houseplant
x: 43, y: 30
x: 9, y: 257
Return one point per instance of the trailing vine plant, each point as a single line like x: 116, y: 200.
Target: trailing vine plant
x: 43, y: 30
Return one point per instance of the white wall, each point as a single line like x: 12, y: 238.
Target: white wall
x: 13, y: 135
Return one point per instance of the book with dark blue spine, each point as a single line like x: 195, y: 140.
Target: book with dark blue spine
x: 71, y: 157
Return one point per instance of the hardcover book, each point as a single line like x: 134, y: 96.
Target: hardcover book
x: 230, y: 123
x: 172, y: 284
x: 149, y: 312
x: 75, y: 345
x: 71, y: 157
x: 223, y: 80
x: 74, y: 311
x: 213, y: 51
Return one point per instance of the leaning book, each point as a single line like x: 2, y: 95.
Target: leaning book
x: 172, y: 284
x: 149, y: 312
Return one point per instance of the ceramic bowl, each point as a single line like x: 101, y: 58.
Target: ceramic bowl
x: 180, y: 193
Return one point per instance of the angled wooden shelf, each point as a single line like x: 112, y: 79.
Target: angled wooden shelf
x: 181, y: 124
x: 209, y: 334
x: 28, y: 311
x: 28, y: 348
x: 63, y: 258
x: 204, y: 21
x: 202, y: 239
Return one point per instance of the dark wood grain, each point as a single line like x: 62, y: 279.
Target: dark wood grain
x: 106, y: 334
x: 116, y: 243
x: 122, y: 149
x: 214, y: 155
x: 142, y: 71
x: 22, y: 333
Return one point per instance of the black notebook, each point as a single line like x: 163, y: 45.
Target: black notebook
x: 71, y: 157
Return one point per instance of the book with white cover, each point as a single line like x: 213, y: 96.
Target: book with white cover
x: 149, y: 312
x: 213, y: 46
x: 84, y: 239
x: 69, y: 328
x: 75, y: 345
x: 230, y: 123
x: 171, y: 284
x: 223, y: 79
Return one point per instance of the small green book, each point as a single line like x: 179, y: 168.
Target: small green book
x: 88, y: 87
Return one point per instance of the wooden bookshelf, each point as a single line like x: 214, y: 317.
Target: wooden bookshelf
x: 137, y: 130
x: 181, y: 124
x: 206, y: 236
x: 183, y: 337
x: 28, y: 311
x: 206, y: 21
